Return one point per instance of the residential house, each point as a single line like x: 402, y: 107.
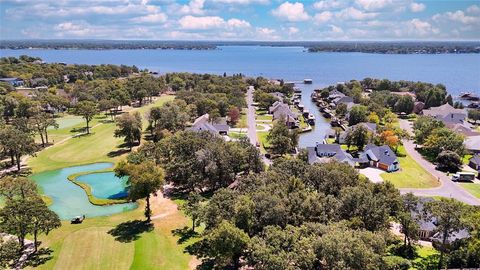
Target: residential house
x: 203, y: 123
x: 472, y: 144
x: 447, y: 114
x: 463, y: 129
x: 326, y: 152
x: 427, y: 225
x: 474, y: 162
x: 381, y: 157
x: 280, y: 109
x: 418, y: 107
x: 278, y: 95
x: 371, y: 127
x: 16, y: 82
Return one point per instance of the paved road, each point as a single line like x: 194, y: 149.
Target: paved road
x: 252, y: 132
x: 252, y: 125
x: 447, y: 189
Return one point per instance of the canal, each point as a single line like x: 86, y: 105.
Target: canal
x: 321, y: 124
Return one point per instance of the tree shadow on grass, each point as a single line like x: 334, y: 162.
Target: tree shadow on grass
x: 40, y: 257
x: 184, y: 233
x: 117, y: 153
x: 130, y: 230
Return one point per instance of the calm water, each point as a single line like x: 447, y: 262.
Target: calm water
x: 105, y: 185
x: 459, y: 72
x: 69, y: 200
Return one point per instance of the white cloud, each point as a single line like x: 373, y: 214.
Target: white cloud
x: 151, y: 18
x: 236, y: 23
x: 417, y: 27
x: 352, y: 13
x: 194, y: 7
x: 474, y: 9
x: 266, y: 33
x: 417, y: 7
x: 457, y: 16
x: 323, y: 17
x: 335, y: 29
x: 206, y: 22
x: 328, y: 4
x: 293, y: 12
x: 210, y: 22
x: 293, y: 30
x: 371, y: 5
x: 240, y: 2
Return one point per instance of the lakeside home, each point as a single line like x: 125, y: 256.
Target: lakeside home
x: 203, y: 123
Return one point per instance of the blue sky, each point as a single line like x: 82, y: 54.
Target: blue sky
x: 240, y: 19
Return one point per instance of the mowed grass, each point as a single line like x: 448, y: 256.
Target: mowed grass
x: 98, y: 146
x: 473, y: 188
x: 89, y: 245
x: 410, y: 175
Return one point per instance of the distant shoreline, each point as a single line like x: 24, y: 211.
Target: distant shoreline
x: 380, y: 47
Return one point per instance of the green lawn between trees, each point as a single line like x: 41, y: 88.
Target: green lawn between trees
x: 89, y: 245
x: 473, y: 188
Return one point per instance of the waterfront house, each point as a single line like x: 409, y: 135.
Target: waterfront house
x: 280, y: 109
x: 278, y: 95
x: 274, y: 106
x: 446, y: 113
x: 15, y: 82
x: 463, y: 129
x: 371, y: 127
x: 474, y: 162
x: 381, y: 157
x: 418, y: 107
x: 203, y: 123
x: 322, y: 153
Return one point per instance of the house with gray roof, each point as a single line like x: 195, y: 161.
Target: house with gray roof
x: 322, y: 153
x: 472, y: 144
x: 371, y: 127
x: 203, y: 123
x: 474, y: 162
x: 446, y: 113
x: 12, y: 81
x: 381, y: 157
x: 280, y: 109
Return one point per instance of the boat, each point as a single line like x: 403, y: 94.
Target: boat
x: 305, y: 113
x: 301, y: 107
x: 77, y: 219
x: 307, y: 81
x: 311, y: 119
x: 469, y: 96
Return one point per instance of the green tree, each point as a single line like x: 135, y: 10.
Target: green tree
x: 9, y: 250
x: 357, y: 115
x: 449, y: 161
x: 16, y: 143
x: 282, y: 140
x: 448, y: 215
x: 341, y: 110
x: 41, y: 121
x: 424, y: 126
x: 358, y: 136
x: 143, y: 180
x: 474, y: 114
x: 193, y: 208
x: 409, y: 218
x: 86, y: 109
x: 130, y: 127
x: 444, y: 139
x: 405, y: 104
x: 43, y: 220
x: 225, y: 245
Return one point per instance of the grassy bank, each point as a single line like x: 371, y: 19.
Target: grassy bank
x: 411, y: 174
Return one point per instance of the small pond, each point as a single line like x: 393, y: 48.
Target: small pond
x: 105, y: 185
x: 70, y: 200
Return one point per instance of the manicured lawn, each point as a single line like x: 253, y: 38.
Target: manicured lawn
x: 262, y: 138
x: 473, y: 188
x: 466, y: 158
x: 89, y: 245
x: 265, y: 117
x: 411, y: 174
x: 242, y: 123
x: 237, y: 135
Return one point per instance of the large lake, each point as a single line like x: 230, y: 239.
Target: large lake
x: 459, y: 72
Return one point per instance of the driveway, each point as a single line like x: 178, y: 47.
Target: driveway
x: 373, y: 174
x: 252, y: 124
x: 447, y: 188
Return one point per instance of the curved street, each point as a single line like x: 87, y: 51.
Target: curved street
x: 447, y: 188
